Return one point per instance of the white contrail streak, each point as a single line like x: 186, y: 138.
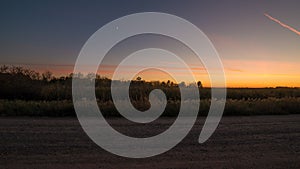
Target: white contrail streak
x: 282, y: 24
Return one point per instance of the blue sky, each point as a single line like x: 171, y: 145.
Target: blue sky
x: 51, y: 33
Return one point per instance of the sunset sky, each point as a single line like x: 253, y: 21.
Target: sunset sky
x: 258, y: 41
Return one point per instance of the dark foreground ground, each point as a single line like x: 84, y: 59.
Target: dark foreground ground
x: 239, y: 142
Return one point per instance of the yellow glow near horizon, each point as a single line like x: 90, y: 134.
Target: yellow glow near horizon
x: 239, y: 73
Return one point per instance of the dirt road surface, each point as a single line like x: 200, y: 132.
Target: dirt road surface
x: 239, y: 142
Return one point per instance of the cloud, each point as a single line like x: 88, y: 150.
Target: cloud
x: 282, y: 24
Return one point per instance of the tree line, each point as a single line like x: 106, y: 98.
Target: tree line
x: 25, y: 84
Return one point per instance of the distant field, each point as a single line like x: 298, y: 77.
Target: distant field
x: 239, y: 142
x: 265, y: 106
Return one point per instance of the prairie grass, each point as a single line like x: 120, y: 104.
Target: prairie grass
x: 233, y: 107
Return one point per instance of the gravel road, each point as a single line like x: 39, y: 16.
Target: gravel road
x: 239, y: 142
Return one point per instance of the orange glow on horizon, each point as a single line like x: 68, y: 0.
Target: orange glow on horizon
x: 239, y: 73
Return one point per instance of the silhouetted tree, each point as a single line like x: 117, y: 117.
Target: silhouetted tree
x: 199, y: 84
x: 47, y: 76
x: 138, y: 78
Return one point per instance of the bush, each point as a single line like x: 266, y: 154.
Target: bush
x: 36, y: 108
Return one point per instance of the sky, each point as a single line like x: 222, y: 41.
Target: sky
x: 258, y: 41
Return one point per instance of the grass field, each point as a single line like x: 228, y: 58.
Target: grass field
x: 266, y: 106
